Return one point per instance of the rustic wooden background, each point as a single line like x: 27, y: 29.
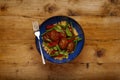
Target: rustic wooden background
x: 99, y: 59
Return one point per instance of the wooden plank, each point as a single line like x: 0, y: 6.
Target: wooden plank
x: 19, y: 53
x: 16, y: 34
x: 60, y: 7
x: 95, y: 28
x: 99, y: 52
x: 58, y: 72
x: 98, y: 34
x: 18, y: 22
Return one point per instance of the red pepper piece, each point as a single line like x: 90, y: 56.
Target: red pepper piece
x: 71, y: 40
x: 53, y: 51
x: 51, y: 44
x: 60, y: 55
x: 49, y: 26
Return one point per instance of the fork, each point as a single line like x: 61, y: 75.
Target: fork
x: 37, y: 34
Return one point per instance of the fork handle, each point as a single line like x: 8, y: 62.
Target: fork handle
x: 43, y: 59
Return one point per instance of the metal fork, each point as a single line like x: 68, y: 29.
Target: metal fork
x: 37, y: 34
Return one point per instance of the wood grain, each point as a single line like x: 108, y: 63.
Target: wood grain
x: 106, y: 38
x: 30, y: 8
x: 58, y: 72
x: 99, y: 59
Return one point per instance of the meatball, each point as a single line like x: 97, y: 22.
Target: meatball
x: 46, y: 37
x: 63, y: 43
x: 54, y: 35
x: 62, y: 35
x: 70, y: 46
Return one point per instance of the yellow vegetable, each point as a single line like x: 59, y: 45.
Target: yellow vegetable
x: 75, y: 32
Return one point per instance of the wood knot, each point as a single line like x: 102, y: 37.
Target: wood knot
x: 50, y: 8
x: 87, y: 65
x: 14, y: 63
x: 72, y: 13
x: 100, y: 52
x: 114, y: 11
x: 113, y: 14
x: 31, y: 48
x: 114, y: 1
x: 3, y: 7
x: 112, y: 8
x: 99, y: 63
x: 28, y: 62
x: 17, y: 70
x: 21, y: 0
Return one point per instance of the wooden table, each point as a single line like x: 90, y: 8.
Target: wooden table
x: 99, y: 59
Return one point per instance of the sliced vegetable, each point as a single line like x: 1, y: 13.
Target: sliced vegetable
x: 54, y: 53
x: 64, y: 24
x: 58, y: 29
x: 51, y: 44
x: 48, y: 40
x: 75, y: 32
x: 77, y: 40
x: 45, y: 44
x: 60, y: 55
x: 58, y: 48
x: 68, y: 32
x: 66, y: 54
x: 71, y: 40
x: 48, y: 31
x: 55, y: 48
x: 49, y: 26
x: 62, y: 52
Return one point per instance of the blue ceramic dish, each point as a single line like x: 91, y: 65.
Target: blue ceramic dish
x: 54, y: 20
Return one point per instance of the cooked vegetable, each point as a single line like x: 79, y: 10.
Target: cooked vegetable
x: 58, y: 48
x: 77, y: 40
x: 58, y: 29
x: 75, y: 32
x: 59, y: 40
x: 49, y: 26
x: 52, y: 44
x: 68, y: 32
x: 63, y: 24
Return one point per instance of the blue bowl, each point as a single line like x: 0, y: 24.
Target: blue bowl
x: 79, y: 46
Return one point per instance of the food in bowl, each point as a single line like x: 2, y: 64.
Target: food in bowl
x: 60, y: 39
